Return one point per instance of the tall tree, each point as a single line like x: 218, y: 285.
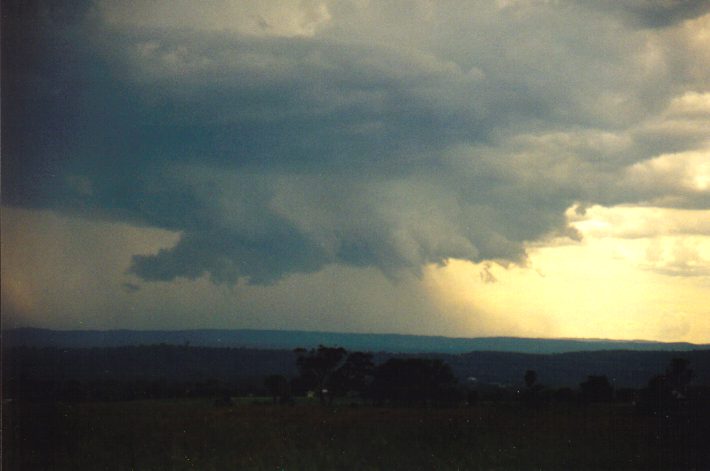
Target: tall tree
x: 596, y: 389
x: 355, y: 375
x: 317, y: 366
x: 665, y: 392
x: 530, y: 395
x: 679, y: 376
x: 413, y: 380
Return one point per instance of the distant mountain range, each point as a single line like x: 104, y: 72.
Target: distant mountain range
x: 285, y: 339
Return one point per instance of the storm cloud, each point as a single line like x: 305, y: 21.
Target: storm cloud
x: 283, y: 137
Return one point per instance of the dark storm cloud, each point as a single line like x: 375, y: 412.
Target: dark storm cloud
x: 281, y: 150
x: 226, y: 256
x: 660, y: 13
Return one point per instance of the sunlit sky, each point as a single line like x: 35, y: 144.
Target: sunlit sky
x: 522, y: 167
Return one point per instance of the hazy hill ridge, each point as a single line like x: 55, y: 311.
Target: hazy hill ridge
x: 286, y: 339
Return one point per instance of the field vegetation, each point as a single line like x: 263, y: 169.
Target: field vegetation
x: 342, y: 410
x: 194, y: 434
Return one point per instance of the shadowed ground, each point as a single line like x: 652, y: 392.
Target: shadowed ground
x: 193, y: 434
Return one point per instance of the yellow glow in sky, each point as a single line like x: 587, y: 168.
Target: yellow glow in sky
x: 638, y: 273
x: 616, y: 283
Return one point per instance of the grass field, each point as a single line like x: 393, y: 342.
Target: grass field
x: 193, y: 434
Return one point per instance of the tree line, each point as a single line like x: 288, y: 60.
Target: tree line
x: 331, y: 372
x: 327, y: 373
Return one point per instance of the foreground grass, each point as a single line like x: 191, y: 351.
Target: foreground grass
x: 188, y: 434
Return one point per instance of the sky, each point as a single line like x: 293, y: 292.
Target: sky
x: 462, y: 168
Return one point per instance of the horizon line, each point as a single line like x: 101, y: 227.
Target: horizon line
x: 576, y: 339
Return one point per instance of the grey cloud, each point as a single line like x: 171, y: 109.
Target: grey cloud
x: 226, y: 257
x: 380, y: 137
x: 486, y: 275
x: 131, y: 287
x: 303, y: 223
x: 660, y: 13
x: 680, y: 259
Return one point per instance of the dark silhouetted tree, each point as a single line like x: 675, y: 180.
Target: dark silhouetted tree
x: 596, y: 389
x: 530, y: 378
x: 414, y: 380
x: 317, y: 366
x: 531, y: 395
x: 355, y: 375
x: 679, y: 376
x: 665, y: 392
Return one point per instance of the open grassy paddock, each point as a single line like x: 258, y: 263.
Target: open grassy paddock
x: 194, y: 434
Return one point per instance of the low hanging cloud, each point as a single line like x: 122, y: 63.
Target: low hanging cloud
x: 281, y: 138
x: 659, y: 13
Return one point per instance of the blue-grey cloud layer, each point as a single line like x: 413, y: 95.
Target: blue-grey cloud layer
x: 371, y: 136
